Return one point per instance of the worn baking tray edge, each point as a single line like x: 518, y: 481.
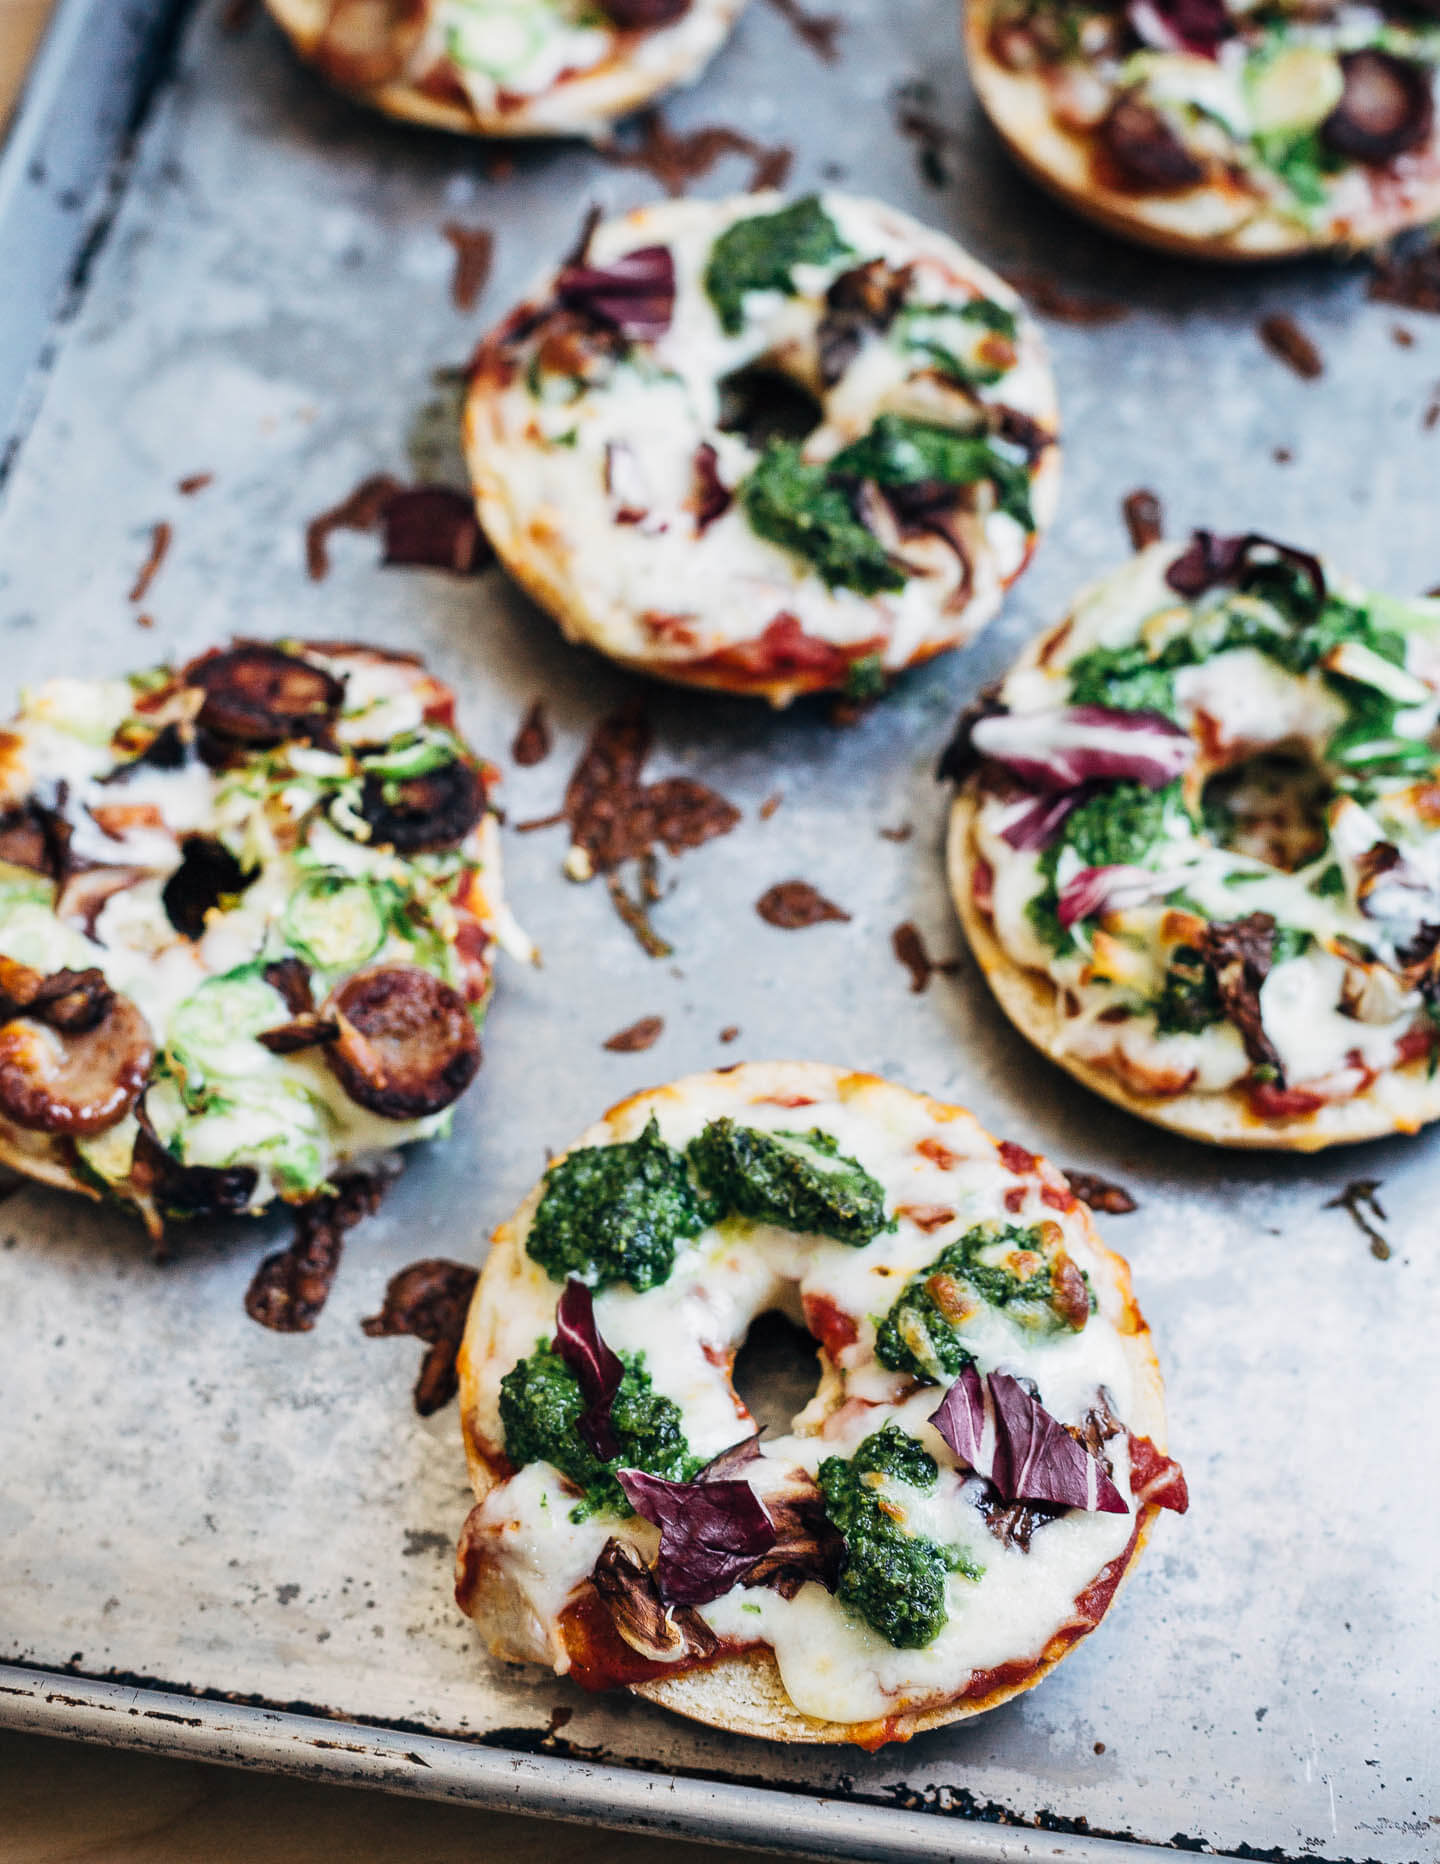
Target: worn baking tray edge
x: 62, y: 168
x: 422, y: 1766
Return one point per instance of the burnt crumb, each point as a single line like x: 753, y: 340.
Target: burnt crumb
x: 1409, y: 277
x: 144, y: 621
x: 533, y: 740
x: 1144, y: 518
x: 1053, y: 300
x: 1099, y: 1747
x: 422, y: 526
x: 291, y: 1287
x: 1288, y: 343
x: 908, y: 943
x: 560, y: 1717
x: 429, y: 1300
x: 819, y: 31
x: 729, y: 1032
x: 1431, y: 417
x: 675, y: 159
x: 194, y: 482
x: 1282, y: 456
x: 770, y: 805
x: 1359, y: 1200
x: 1401, y: 337
x: 793, y: 904
x: 1101, y: 1193
x: 160, y: 537
x: 902, y: 832
x: 641, y: 1035
x: 616, y: 818
x: 474, y: 250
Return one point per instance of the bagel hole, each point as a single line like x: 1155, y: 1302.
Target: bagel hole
x: 1271, y: 808
x: 761, y: 404
x: 776, y: 1372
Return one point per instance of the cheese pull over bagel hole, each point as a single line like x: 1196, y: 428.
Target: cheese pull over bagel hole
x: 774, y: 447
x: 640, y: 1320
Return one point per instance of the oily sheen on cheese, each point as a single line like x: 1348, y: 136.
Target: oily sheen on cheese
x: 826, y: 1673
x: 620, y: 476
x: 508, y: 67
x: 1253, y: 961
x: 248, y: 911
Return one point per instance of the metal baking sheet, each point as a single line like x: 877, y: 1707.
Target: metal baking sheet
x: 197, y: 1515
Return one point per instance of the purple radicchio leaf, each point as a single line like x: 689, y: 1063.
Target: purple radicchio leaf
x: 1107, y: 889
x: 636, y: 293
x: 1036, y: 825
x: 1198, y: 26
x: 711, y: 1533
x: 1058, y: 749
x: 1210, y: 561
x: 996, y: 1428
x: 597, y: 1370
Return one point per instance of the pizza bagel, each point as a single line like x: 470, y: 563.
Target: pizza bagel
x: 772, y: 448
x: 1196, y: 845
x: 508, y: 67
x: 248, y: 914
x: 951, y: 1511
x: 1216, y: 129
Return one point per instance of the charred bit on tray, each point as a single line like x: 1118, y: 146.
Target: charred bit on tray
x: 1100, y: 1193
x: 729, y: 1032
x: 1288, y: 343
x: 423, y: 527
x: 1401, y: 337
x: 533, y: 740
x: 429, y: 1301
x: 1431, y: 417
x: 474, y: 250
x: 819, y: 31
x: 675, y: 159
x: 1063, y: 306
x: 793, y: 904
x: 902, y: 832
x: 194, y: 482
x: 1144, y: 518
x: 770, y: 805
x: 908, y: 943
x: 642, y: 1035
x: 291, y: 1287
x: 160, y: 537
x: 1282, y: 456
x: 1360, y: 1201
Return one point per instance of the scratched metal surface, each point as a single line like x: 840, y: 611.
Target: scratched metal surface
x: 190, y: 1500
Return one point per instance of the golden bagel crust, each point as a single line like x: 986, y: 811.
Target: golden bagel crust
x: 1402, y: 1100
x: 742, y: 1692
x: 1209, y: 222
x: 580, y: 106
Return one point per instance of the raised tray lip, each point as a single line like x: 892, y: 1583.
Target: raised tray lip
x: 487, y: 1773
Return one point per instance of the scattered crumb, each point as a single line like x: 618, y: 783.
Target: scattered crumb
x: 160, y: 537
x: 729, y: 1032
x: 1100, y: 1193
x: 908, y: 943
x: 642, y: 1035
x: 1288, y: 343
x: 144, y: 621
x: 1144, y: 518
x: 793, y: 904
x: 428, y: 1300
x: 1360, y: 1202
x: 1431, y: 416
x: 770, y: 805
x: 1282, y: 456
x: 474, y: 251
x: 902, y: 833
x: 195, y: 482
x: 533, y: 740
x: 1401, y: 337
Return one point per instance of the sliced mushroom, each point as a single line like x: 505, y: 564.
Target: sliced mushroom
x: 207, y: 874
x: 37, y: 837
x: 406, y: 1046
x: 256, y: 695
x: 865, y: 298
x: 1150, y: 157
x: 628, y: 1588
x: 187, y: 1190
x: 413, y: 814
x: 73, y: 1056
x: 1386, y: 108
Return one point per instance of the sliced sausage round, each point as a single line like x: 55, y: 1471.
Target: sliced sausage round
x: 413, y: 814
x: 257, y: 695
x: 1386, y: 108
x: 77, y: 1080
x: 1149, y: 156
x: 407, y: 1045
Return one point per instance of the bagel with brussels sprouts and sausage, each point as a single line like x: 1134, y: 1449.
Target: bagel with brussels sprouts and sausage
x: 248, y: 914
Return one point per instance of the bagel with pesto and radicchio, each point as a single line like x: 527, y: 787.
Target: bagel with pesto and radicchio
x: 772, y: 448
x: 948, y: 1515
x: 1215, y: 128
x: 248, y: 914
x: 508, y: 67
x: 1196, y: 845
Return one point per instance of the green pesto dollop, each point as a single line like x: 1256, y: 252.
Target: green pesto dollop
x: 798, y: 1181
x: 761, y: 253
x: 900, y: 450
x: 615, y: 1213
x: 1118, y: 826
x: 540, y: 1406
x: 802, y: 509
x: 1006, y: 1266
x: 893, y: 1579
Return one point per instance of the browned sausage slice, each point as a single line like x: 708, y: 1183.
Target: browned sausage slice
x: 412, y: 814
x: 1386, y: 109
x: 257, y: 695
x: 407, y: 1045
x: 82, y: 1068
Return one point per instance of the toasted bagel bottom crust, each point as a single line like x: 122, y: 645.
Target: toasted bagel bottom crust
x: 1200, y: 223
x: 1400, y: 1101
x: 583, y: 107
x: 742, y: 1693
